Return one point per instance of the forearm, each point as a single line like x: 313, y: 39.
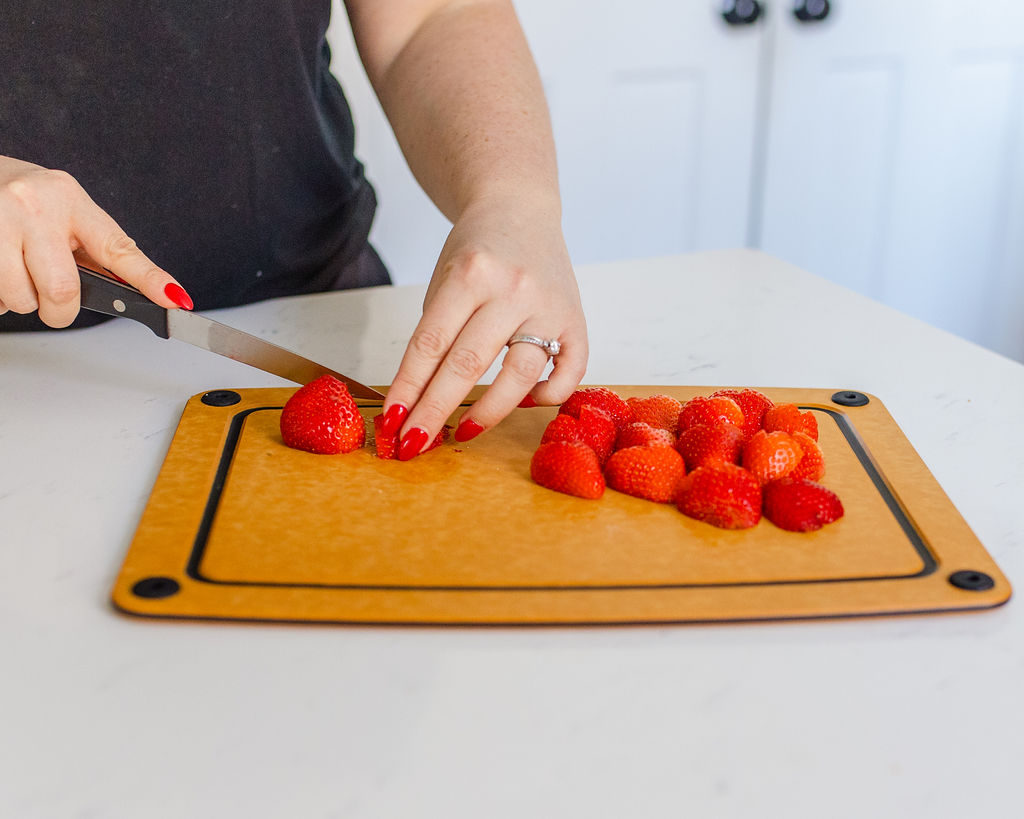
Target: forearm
x: 463, y: 96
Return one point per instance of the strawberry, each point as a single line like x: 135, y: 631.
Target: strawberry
x: 657, y: 410
x: 709, y: 411
x: 752, y: 403
x: 810, y: 467
x: 593, y: 427
x: 800, y: 506
x: 726, y: 496
x: 640, y: 434
x: 322, y: 417
x: 704, y: 445
x: 568, y: 466
x: 650, y: 472
x: 788, y: 418
x: 771, y: 455
x: 386, y: 446
x: 602, y: 398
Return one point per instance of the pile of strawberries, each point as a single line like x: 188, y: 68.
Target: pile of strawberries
x: 322, y: 417
x: 725, y: 459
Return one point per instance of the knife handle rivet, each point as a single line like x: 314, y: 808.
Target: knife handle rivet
x: 119, y: 306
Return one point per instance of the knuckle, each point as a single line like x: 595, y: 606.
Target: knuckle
x: 61, y: 291
x: 523, y: 371
x: 431, y: 411
x: 430, y: 342
x: 63, y: 181
x: 465, y: 363
x: 119, y: 244
x: 23, y: 304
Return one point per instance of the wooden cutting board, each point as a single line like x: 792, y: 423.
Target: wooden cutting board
x: 239, y: 526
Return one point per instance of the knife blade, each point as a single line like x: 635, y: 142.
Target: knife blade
x: 104, y: 295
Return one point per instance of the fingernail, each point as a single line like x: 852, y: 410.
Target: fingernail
x: 412, y: 443
x: 468, y: 430
x: 393, y: 419
x: 527, y: 402
x: 177, y: 294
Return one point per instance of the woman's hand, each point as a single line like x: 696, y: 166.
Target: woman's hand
x: 45, y: 216
x: 504, y: 270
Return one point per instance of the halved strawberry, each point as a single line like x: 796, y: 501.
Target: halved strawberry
x: 788, y: 418
x: 771, y: 455
x: 704, y: 445
x: 725, y: 496
x: 811, y: 466
x: 322, y: 417
x: 650, y: 472
x: 799, y: 505
x: 753, y: 404
x: 640, y: 434
x: 657, y: 410
x: 568, y: 466
x: 594, y: 427
x: 709, y: 411
x: 602, y: 398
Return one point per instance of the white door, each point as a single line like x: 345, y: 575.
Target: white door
x: 895, y: 158
x: 653, y: 104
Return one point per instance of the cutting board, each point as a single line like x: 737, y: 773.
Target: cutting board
x: 241, y: 527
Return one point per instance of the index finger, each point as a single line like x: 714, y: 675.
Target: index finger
x: 103, y: 239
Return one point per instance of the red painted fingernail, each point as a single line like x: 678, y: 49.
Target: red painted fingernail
x: 527, y: 402
x: 412, y: 443
x: 468, y: 430
x: 393, y: 419
x: 177, y: 294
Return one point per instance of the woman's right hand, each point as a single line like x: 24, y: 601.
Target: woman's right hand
x: 45, y: 216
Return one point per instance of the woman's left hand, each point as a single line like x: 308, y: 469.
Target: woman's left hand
x: 504, y: 270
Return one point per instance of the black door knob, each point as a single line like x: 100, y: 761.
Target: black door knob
x: 811, y: 11
x: 741, y: 12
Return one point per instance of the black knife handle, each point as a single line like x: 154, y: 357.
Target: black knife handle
x: 104, y: 295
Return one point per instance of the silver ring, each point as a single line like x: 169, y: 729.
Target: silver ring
x: 550, y: 346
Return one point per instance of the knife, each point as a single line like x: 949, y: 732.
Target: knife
x: 104, y: 295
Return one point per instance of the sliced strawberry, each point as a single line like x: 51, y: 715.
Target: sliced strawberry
x: 709, y: 411
x: 322, y: 417
x: 602, y: 398
x: 641, y: 434
x: 725, y: 496
x: 753, y: 404
x: 704, y: 445
x: 593, y: 427
x: 811, y: 466
x: 771, y: 455
x: 650, y: 472
x: 386, y: 446
x: 568, y: 466
x: 657, y: 410
x: 788, y: 418
x: 799, y: 505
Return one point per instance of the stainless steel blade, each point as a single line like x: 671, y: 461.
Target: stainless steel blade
x: 248, y: 349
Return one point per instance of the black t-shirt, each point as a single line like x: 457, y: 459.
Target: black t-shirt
x: 213, y: 133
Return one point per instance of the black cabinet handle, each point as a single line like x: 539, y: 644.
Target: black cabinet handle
x: 741, y: 12
x: 811, y: 11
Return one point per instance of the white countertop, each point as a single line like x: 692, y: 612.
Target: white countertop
x: 103, y: 715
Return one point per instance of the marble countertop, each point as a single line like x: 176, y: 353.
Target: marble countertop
x: 103, y: 715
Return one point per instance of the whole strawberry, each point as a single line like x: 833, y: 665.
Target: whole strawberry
x: 322, y: 417
x: 725, y: 496
x: 799, y: 505
x: 640, y: 434
x: 650, y: 472
x: 593, y: 427
x: 771, y: 455
x: 568, y: 466
x: 752, y: 403
x: 704, y: 445
x: 657, y: 410
x: 602, y: 398
x: 709, y: 411
x: 788, y: 418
